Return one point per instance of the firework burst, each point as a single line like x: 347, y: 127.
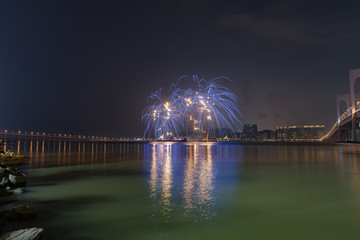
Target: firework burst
x: 211, y: 110
x: 163, y: 120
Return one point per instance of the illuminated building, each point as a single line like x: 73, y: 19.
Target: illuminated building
x: 250, y: 133
x: 266, y: 135
x: 306, y: 132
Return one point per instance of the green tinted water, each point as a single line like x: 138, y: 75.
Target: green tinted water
x: 198, y: 191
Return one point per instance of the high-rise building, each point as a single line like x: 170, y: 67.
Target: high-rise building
x: 266, y: 135
x: 306, y: 132
x: 250, y: 132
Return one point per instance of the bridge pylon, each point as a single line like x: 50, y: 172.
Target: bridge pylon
x: 353, y: 75
x: 341, y: 98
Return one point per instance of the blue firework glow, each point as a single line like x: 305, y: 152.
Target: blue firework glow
x: 209, y: 111
x: 163, y: 119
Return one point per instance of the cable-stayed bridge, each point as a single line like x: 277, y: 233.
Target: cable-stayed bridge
x: 347, y: 125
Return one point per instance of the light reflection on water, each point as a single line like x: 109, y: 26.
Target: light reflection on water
x: 195, y: 179
x: 199, y: 180
x: 195, y: 190
x: 161, y: 174
x: 43, y: 153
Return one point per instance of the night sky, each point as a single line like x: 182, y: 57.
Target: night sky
x: 88, y: 66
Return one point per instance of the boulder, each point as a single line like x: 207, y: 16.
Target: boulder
x: 11, y: 158
x: 21, y: 212
x: 23, y: 234
x: 4, y: 181
x: 19, y: 156
x: 12, y: 170
x: 19, y: 190
x: 19, y: 179
x: 8, y: 154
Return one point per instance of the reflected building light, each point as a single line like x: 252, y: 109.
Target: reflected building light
x: 189, y: 182
x: 206, y: 182
x: 161, y: 177
x: 198, y: 182
x: 79, y: 149
x: 30, y: 153
x: 153, y: 173
x: 83, y: 153
x: 64, y: 155
x: 104, y: 152
x: 96, y: 152
x: 37, y: 151
x: 18, y: 147
x: 92, y: 153
x: 197, y: 188
x: 42, y: 154
x: 31, y: 148
x: 138, y: 152
x: 166, y: 181
x: 112, y: 151
x: 59, y: 153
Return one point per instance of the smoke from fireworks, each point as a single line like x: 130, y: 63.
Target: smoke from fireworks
x: 209, y: 111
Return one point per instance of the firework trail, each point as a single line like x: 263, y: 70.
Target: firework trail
x: 162, y: 119
x: 211, y: 110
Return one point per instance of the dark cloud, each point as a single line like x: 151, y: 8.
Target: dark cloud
x: 276, y: 28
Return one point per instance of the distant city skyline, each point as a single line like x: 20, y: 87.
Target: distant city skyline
x: 9, y: 133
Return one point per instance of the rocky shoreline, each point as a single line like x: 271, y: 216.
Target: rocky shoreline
x: 12, y: 184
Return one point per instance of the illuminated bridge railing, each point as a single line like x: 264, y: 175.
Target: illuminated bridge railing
x: 347, y: 113
x: 9, y: 135
x: 331, y: 132
x: 344, y: 116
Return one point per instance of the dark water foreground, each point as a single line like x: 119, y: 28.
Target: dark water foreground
x: 193, y: 191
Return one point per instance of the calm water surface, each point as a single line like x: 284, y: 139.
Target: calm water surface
x: 192, y: 190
